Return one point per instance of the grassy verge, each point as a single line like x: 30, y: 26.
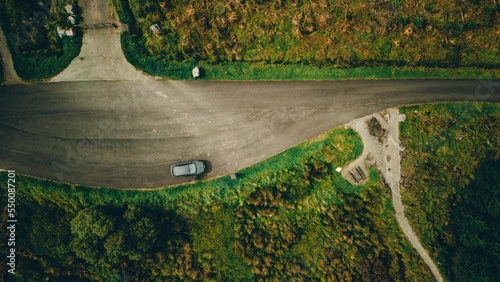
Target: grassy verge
x: 447, y: 149
x: 35, y: 68
x: 30, y: 27
x: 260, y: 40
x: 262, y: 71
x: 289, y: 217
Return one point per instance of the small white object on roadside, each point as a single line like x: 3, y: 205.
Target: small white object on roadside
x: 69, y: 33
x: 338, y: 169
x: 72, y: 19
x: 402, y: 117
x: 196, y: 72
x: 387, y: 117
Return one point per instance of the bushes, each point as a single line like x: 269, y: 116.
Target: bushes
x: 140, y: 58
x: 124, y: 13
x: 30, y: 27
x: 375, y: 129
x: 445, y: 144
x: 43, y: 67
x: 308, y: 35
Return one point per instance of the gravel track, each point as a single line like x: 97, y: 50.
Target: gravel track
x: 101, y: 56
x: 386, y: 156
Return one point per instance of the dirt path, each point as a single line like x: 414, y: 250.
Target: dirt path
x: 101, y: 56
x: 386, y: 156
x: 10, y: 74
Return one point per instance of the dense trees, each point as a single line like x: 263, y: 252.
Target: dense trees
x: 89, y: 228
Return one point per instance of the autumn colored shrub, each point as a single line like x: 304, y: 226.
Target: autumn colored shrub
x: 320, y: 34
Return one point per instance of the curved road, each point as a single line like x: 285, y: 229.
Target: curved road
x: 127, y: 133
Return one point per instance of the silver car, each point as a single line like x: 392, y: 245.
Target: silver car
x: 187, y: 168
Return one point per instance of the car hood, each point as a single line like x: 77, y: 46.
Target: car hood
x: 200, y: 167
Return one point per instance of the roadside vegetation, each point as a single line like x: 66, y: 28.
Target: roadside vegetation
x: 295, y: 39
x: 450, y: 185
x: 375, y: 129
x: 31, y: 30
x: 290, y: 217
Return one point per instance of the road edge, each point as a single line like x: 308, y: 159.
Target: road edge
x: 10, y: 74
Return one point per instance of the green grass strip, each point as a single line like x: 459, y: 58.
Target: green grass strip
x: 264, y: 71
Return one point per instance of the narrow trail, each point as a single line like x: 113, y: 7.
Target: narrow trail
x: 10, y: 74
x: 395, y: 164
x: 386, y: 156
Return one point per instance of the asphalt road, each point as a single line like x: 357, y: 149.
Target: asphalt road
x: 128, y: 133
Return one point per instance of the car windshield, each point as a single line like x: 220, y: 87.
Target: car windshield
x: 192, y: 168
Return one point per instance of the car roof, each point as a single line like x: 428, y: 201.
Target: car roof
x: 184, y: 169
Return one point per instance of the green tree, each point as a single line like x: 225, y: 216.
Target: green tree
x: 145, y: 233
x: 114, y: 247
x: 89, y: 228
